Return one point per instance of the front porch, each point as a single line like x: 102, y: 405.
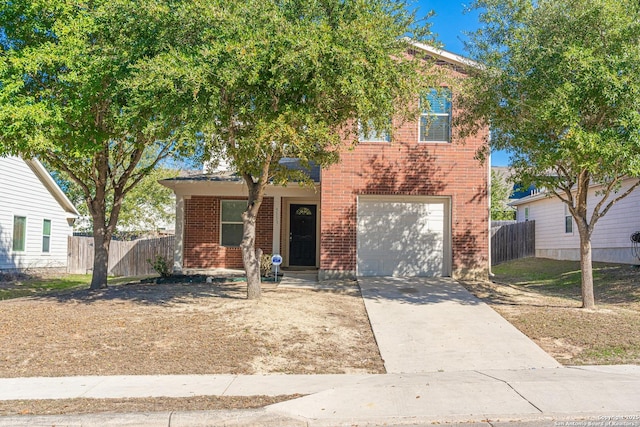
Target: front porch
x: 207, y: 236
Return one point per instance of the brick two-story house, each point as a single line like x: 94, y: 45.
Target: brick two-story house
x: 412, y: 205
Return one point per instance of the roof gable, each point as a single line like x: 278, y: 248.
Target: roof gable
x: 53, y: 188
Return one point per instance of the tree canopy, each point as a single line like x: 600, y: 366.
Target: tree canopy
x: 559, y: 88
x: 72, y: 92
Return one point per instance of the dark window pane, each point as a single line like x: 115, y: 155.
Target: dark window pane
x: 435, y: 128
x: 232, y: 210
x: 231, y: 234
x: 568, y: 224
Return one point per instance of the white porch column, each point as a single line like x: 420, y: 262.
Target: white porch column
x: 179, y: 242
x: 277, y: 226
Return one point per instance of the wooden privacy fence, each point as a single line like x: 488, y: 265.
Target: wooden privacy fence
x: 513, y: 241
x: 126, y: 258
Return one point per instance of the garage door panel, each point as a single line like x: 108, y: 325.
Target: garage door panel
x: 400, y: 238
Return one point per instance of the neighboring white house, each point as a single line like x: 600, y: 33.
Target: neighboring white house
x: 36, y: 218
x: 557, y: 235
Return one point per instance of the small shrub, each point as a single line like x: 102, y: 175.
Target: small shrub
x: 265, y: 265
x: 160, y: 266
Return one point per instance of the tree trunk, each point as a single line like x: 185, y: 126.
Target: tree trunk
x: 248, y: 244
x: 588, y: 300
x: 101, y: 243
x: 251, y: 262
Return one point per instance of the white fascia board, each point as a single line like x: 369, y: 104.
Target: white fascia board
x: 446, y: 55
x: 53, y: 187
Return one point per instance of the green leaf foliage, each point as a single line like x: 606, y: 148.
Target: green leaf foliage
x: 560, y: 89
x: 278, y: 79
x: 73, y: 92
x: 500, y: 192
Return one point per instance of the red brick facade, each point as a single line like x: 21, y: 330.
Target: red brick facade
x: 202, y: 247
x: 403, y: 167
x: 407, y: 167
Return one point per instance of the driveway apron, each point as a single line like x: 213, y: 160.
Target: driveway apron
x: 434, y: 324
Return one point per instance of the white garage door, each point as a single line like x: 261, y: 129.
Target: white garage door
x: 402, y: 237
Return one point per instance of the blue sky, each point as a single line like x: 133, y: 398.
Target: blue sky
x: 450, y: 24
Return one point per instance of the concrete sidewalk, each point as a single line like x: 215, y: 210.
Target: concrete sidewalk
x: 492, y: 396
x: 435, y: 324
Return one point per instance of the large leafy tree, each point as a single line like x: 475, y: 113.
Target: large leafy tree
x: 72, y: 92
x: 560, y: 88
x: 275, y: 79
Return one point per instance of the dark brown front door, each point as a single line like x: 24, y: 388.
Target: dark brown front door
x: 302, y: 236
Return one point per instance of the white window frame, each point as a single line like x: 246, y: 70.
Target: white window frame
x: 526, y: 213
x: 567, y: 216
x: 222, y: 223
x: 428, y: 115
x: 47, y: 236
x: 23, y: 238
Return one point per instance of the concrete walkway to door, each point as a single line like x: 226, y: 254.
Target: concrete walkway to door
x: 434, y: 324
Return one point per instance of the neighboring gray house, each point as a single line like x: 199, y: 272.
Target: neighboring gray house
x: 36, y: 218
x: 557, y: 235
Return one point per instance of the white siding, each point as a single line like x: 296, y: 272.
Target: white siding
x: 23, y: 194
x: 610, y: 240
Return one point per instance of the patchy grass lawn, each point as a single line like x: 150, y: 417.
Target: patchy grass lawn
x: 22, y: 285
x: 541, y: 297
x: 17, y: 285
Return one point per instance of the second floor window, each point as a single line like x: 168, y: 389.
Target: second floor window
x: 435, y: 116
x: 372, y: 135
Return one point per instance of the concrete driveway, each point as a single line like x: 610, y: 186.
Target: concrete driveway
x: 434, y: 324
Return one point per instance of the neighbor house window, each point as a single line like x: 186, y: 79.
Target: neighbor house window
x: 372, y: 135
x: 46, y: 235
x: 231, y: 222
x: 19, y: 233
x: 435, y: 116
x: 568, y: 220
x: 526, y: 213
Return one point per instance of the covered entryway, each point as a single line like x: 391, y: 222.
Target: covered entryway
x: 403, y: 236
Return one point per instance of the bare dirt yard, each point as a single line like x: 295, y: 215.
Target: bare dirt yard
x: 541, y: 297
x: 192, y: 328
x: 183, y: 328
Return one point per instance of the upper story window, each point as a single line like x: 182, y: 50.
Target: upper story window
x: 371, y: 134
x: 231, y: 222
x: 19, y: 233
x: 435, y: 116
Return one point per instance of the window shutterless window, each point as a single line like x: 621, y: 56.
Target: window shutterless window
x: 46, y: 235
x: 435, y: 116
x: 568, y: 220
x: 231, y: 222
x: 19, y: 233
x: 371, y: 134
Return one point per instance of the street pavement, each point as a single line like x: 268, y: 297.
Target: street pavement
x: 449, y: 358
